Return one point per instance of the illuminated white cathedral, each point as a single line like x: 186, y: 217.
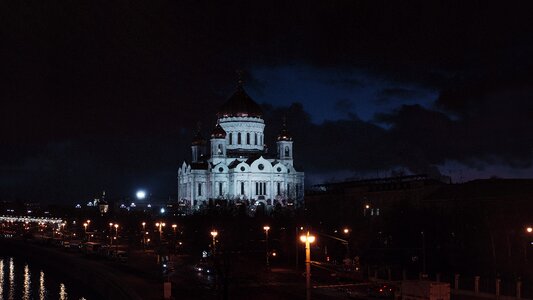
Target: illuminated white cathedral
x: 234, y: 165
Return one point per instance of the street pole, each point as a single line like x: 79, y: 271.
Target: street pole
x: 423, y: 253
x: 267, y: 228
x: 307, y: 239
x: 296, y: 236
x: 307, y: 268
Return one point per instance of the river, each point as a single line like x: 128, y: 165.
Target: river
x: 20, y: 279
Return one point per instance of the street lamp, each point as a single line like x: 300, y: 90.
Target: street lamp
x: 174, y: 226
x: 144, y: 225
x: 347, y: 232
x: 160, y: 225
x: 110, y: 237
x: 214, y: 234
x: 266, y: 229
x: 85, y: 227
x: 528, y: 230
x: 308, y: 240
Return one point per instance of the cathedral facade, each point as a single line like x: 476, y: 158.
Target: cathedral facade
x: 234, y: 165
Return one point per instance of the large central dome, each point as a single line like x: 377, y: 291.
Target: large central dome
x: 240, y: 105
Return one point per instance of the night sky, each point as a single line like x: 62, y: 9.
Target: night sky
x: 106, y: 95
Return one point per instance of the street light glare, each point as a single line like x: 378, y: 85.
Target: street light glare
x: 529, y: 229
x: 140, y: 194
x: 310, y: 239
x: 266, y: 228
x: 214, y: 233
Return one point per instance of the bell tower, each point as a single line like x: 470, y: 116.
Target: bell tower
x: 218, y: 143
x: 284, y: 145
x: 198, y: 146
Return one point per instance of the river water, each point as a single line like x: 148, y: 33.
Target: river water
x: 22, y: 280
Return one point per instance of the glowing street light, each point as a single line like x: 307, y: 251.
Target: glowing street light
x: 144, y: 225
x: 529, y: 229
x: 160, y: 225
x: 85, y: 227
x: 308, y: 240
x: 140, y: 194
x: 214, y: 234
x: 346, y: 230
x: 174, y: 226
x: 266, y: 229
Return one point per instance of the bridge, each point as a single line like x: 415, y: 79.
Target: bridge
x: 31, y: 219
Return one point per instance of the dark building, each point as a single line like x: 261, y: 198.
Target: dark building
x: 478, y: 226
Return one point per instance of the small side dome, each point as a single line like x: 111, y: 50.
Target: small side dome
x: 218, y: 132
x: 284, y: 134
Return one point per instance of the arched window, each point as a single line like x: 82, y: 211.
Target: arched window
x: 287, y: 151
x: 230, y: 138
x: 247, y: 138
x: 219, y: 150
x: 239, y: 138
x: 255, y: 138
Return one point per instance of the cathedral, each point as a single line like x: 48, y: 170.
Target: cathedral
x: 235, y: 166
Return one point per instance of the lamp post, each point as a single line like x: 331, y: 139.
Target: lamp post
x: 214, y: 234
x: 85, y: 228
x: 144, y: 237
x: 308, y: 240
x: 110, y: 236
x: 174, y: 226
x: 529, y: 231
x: 160, y: 225
x: 266, y: 229
x: 116, y: 236
x: 423, y: 253
x: 347, y: 232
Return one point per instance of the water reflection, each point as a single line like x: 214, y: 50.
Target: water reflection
x: 11, y: 294
x: 27, y: 282
x: 42, y: 289
x: 62, y: 292
x: 16, y: 282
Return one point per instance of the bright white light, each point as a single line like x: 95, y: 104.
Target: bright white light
x: 162, y: 210
x: 141, y: 195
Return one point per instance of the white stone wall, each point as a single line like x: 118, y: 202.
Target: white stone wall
x: 245, y: 126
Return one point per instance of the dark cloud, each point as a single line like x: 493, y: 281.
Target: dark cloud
x: 391, y: 94
x: 343, y: 105
x: 346, y: 83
